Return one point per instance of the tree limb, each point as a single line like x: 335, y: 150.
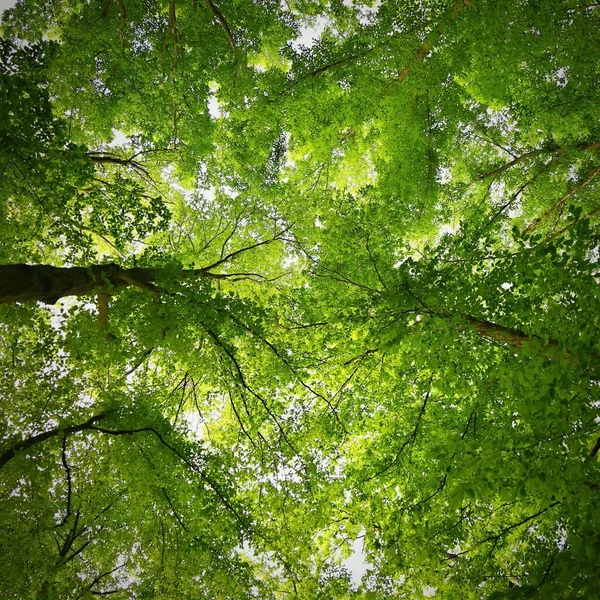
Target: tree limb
x: 561, y: 201
x: 215, y: 11
x: 502, y: 532
x: 9, y: 454
x: 410, y: 439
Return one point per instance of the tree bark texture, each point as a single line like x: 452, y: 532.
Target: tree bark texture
x: 47, y: 284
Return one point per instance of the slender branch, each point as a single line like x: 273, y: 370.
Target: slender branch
x: 69, y: 482
x: 440, y: 487
x: 183, y: 458
x: 361, y: 356
x: 410, y: 439
x: 561, y: 201
x: 515, y: 337
x: 546, y: 572
x: 492, y: 141
x: 104, y: 159
x: 232, y: 255
x: 182, y: 400
x: 508, y: 204
x: 375, y: 264
x: 558, y: 152
x: 9, y: 454
x: 175, y: 513
x: 245, y: 385
x: 77, y: 552
x: 330, y: 66
x: 502, y: 532
x: 571, y: 224
x: 432, y: 38
x: 215, y: 11
x: 105, y: 574
x: 335, y: 275
x: 239, y: 419
x: 71, y: 536
x: 139, y: 363
x: 237, y: 221
x: 512, y: 163
x: 466, y: 430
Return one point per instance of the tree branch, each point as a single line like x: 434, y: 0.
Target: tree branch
x: 9, y: 454
x: 561, y: 201
x: 69, y: 482
x: 432, y: 38
x: 182, y: 457
x: 105, y: 574
x: 232, y: 255
x: 175, y: 513
x: 410, y: 439
x: 497, y: 536
x: 245, y: 385
x: 215, y: 11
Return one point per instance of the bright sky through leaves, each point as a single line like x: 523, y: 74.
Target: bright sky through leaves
x: 300, y: 300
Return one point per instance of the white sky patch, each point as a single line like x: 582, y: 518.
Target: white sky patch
x: 195, y: 423
x: 357, y: 564
x: 515, y: 211
x: 560, y: 76
x: 167, y: 173
x: 84, y: 400
x: 497, y: 192
x: 214, y: 110
x: 283, y: 474
x: 429, y: 592
x: 561, y: 538
x: 119, y: 139
x: 60, y: 311
x: 209, y: 194
x: 310, y: 33
x: 229, y: 191
x: 289, y: 261
x: 443, y: 175
x: 366, y: 14
x: 447, y: 229
x: 5, y: 4
x: 213, y: 107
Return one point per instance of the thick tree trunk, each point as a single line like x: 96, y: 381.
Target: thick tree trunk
x: 47, y: 284
x: 44, y: 283
x: 506, y: 335
x: 515, y: 337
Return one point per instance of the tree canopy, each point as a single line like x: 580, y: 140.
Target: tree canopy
x: 300, y: 299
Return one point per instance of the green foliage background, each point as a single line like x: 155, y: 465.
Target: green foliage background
x: 369, y: 321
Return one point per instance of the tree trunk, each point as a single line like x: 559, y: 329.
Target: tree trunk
x: 506, y: 335
x: 44, y: 283
x: 515, y: 337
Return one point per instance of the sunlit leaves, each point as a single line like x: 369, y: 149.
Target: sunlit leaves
x: 369, y: 309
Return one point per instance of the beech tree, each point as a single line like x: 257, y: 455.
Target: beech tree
x: 299, y: 299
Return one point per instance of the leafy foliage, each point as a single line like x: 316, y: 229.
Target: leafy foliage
x: 326, y: 311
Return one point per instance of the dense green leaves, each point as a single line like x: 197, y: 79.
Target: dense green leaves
x: 334, y: 331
